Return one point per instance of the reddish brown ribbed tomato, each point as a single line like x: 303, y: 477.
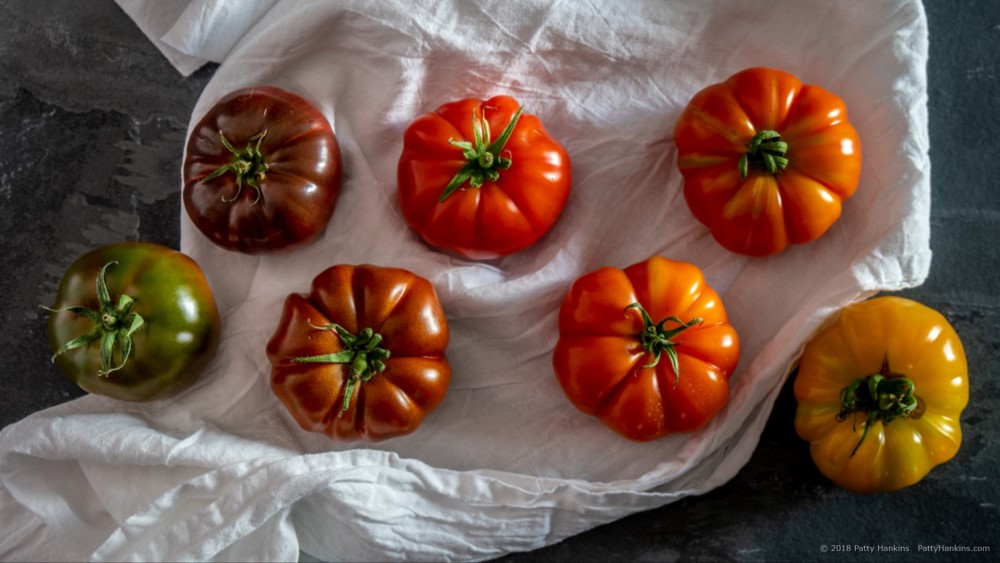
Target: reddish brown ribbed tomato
x: 262, y: 171
x: 767, y: 160
x: 362, y: 356
x: 648, y: 350
x: 482, y: 179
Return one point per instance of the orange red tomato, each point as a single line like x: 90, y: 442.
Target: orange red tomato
x: 767, y: 160
x: 648, y: 350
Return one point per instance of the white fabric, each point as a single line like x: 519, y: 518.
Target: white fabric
x: 506, y: 463
x: 155, y: 19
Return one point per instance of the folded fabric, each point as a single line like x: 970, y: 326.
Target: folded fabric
x: 506, y: 463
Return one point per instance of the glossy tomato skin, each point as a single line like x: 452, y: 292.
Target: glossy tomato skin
x: 398, y: 305
x: 178, y: 338
x: 765, y: 212
x: 599, y: 357
x: 500, y: 217
x: 299, y: 189
x: 905, y: 339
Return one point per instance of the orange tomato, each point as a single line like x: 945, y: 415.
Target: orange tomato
x: 767, y: 161
x: 880, y: 391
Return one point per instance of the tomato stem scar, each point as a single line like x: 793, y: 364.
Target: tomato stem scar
x: 247, y: 164
x: 115, y: 325
x: 483, y: 162
x: 656, y: 337
x: 765, y: 151
x: 883, y: 396
x: 362, y: 352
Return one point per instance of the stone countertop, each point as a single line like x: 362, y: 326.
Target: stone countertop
x: 92, y: 128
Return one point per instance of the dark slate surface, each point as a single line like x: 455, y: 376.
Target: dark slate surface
x: 92, y: 123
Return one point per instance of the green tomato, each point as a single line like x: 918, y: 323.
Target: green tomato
x: 134, y: 321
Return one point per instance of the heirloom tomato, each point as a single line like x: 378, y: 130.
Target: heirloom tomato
x: 648, y: 350
x: 133, y: 321
x: 262, y: 171
x: 880, y: 390
x: 767, y: 161
x: 482, y: 179
x: 362, y: 356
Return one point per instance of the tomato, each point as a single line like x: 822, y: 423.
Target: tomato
x: 133, y: 321
x: 482, y: 179
x: 767, y: 161
x: 362, y: 356
x: 880, y: 390
x: 262, y: 171
x: 648, y: 350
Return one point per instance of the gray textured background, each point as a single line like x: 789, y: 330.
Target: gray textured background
x: 92, y: 125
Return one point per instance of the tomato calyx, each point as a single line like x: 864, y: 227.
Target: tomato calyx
x: 362, y: 353
x: 247, y: 164
x: 883, y: 396
x: 483, y: 162
x: 115, y: 325
x: 655, y: 338
x: 765, y: 151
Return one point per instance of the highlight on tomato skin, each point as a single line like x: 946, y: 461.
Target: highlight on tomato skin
x: 648, y: 350
x: 482, y: 179
x: 262, y: 171
x: 767, y: 160
x: 881, y: 389
x: 361, y: 356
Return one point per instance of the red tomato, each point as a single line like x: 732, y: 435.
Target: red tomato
x: 767, y: 161
x: 262, y: 171
x: 648, y: 350
x: 362, y: 356
x: 482, y: 179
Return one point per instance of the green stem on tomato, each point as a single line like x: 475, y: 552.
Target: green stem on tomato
x: 114, y: 326
x: 483, y: 162
x: 882, y: 396
x: 248, y: 165
x: 362, y: 352
x: 656, y: 338
x: 765, y: 151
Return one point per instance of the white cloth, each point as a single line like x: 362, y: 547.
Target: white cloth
x: 506, y: 463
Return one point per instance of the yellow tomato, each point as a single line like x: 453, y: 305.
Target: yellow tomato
x: 880, y: 391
